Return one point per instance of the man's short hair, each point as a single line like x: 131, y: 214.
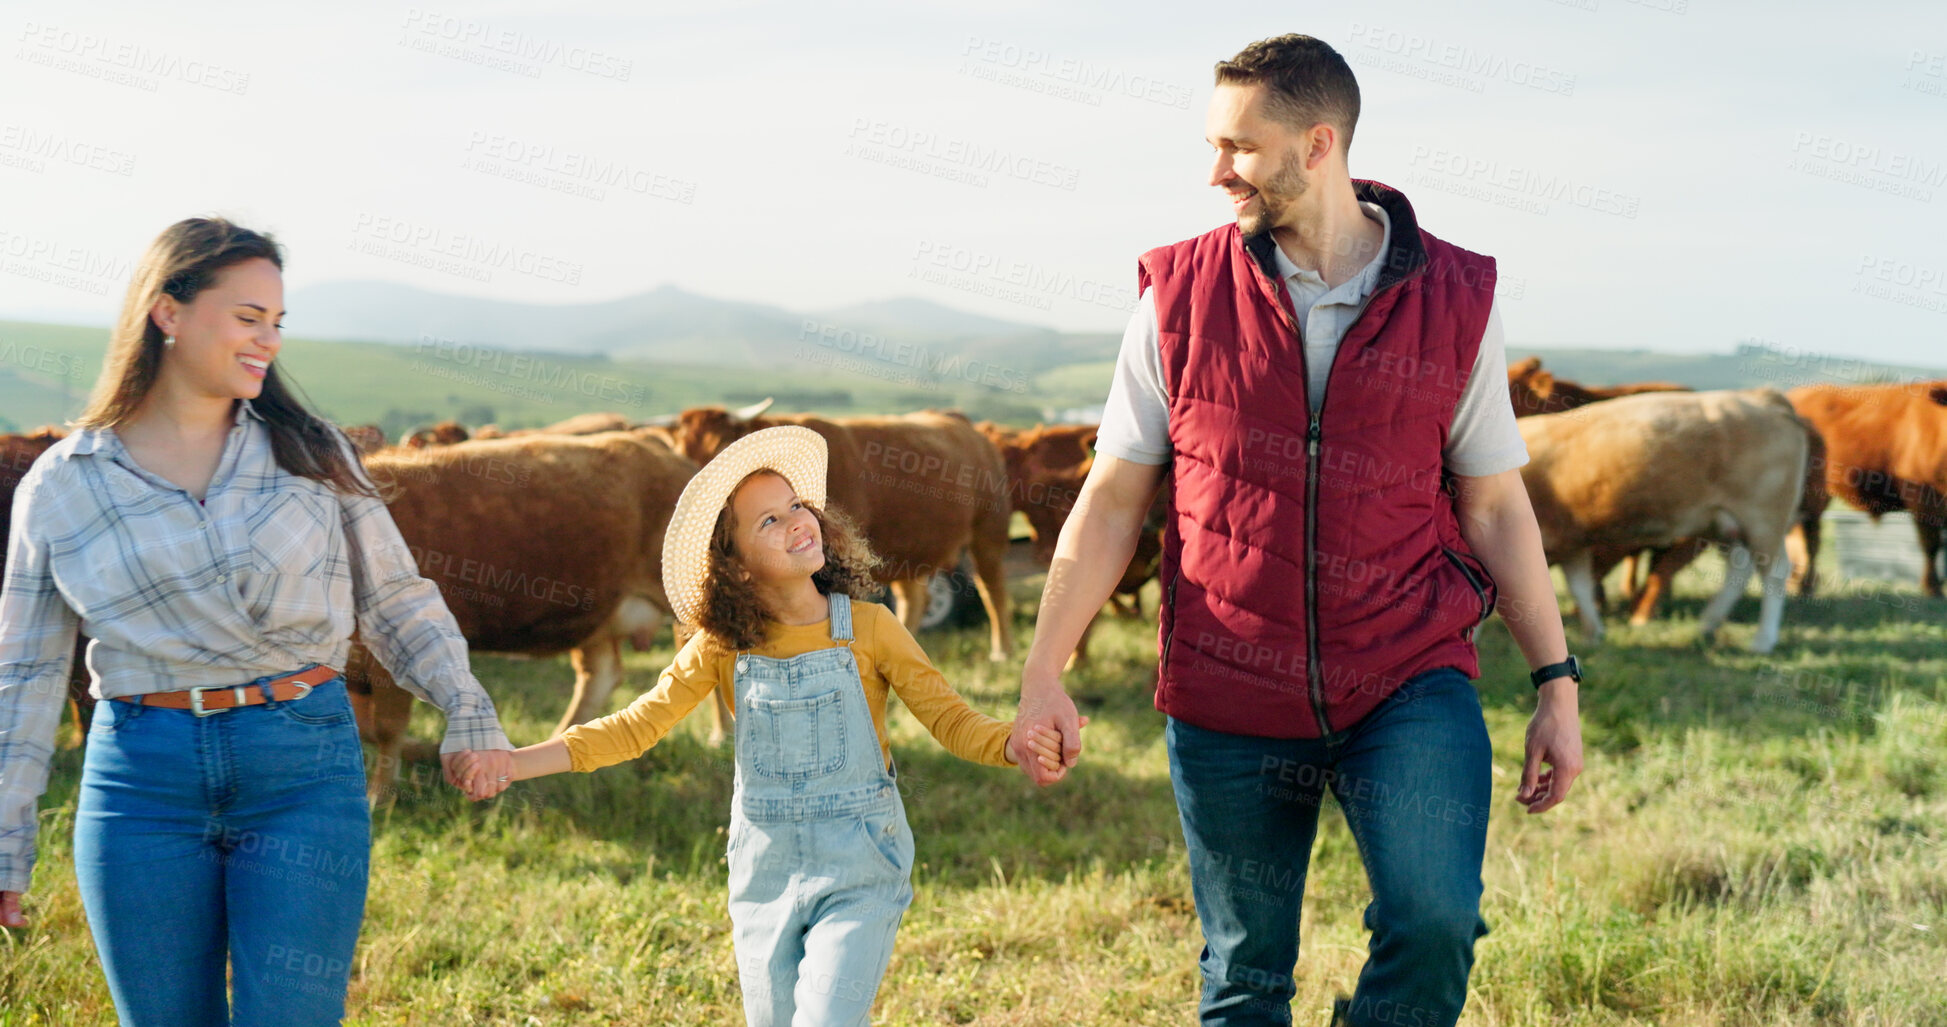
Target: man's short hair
x: 1306, y: 82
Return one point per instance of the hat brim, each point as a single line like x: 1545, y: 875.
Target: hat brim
x: 797, y: 453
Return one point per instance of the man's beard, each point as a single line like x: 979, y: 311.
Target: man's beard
x: 1276, y: 196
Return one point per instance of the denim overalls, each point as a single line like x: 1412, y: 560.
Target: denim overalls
x: 820, y: 853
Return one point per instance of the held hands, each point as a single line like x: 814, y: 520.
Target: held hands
x: 1045, y: 707
x: 1047, y: 737
x: 1041, y: 746
x: 480, y: 773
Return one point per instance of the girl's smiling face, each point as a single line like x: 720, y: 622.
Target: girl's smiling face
x: 774, y: 534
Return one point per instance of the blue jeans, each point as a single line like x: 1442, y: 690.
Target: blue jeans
x: 241, y: 837
x: 1413, y: 778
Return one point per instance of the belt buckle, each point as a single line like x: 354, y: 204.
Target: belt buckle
x: 196, y: 698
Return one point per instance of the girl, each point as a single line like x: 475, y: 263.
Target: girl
x: 820, y: 853
x: 217, y: 539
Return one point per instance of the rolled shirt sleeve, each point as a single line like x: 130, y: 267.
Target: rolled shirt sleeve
x: 1136, y: 419
x: 1485, y: 439
x: 37, y: 635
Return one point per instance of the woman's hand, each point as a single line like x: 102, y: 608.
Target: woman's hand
x: 480, y: 773
x: 10, y: 914
x: 489, y: 770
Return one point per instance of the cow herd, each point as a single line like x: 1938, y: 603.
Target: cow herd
x: 549, y: 540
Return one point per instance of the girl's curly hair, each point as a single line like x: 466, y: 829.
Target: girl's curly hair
x: 735, y: 617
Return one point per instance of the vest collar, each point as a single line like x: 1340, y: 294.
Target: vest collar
x: 1405, y: 254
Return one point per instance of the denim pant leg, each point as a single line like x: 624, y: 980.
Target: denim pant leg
x: 1415, y: 778
x: 865, y: 870
x: 298, y: 843
x: 1249, y: 808
x: 150, y: 878
x: 767, y: 925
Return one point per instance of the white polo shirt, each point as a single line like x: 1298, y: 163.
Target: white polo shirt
x: 1484, y: 439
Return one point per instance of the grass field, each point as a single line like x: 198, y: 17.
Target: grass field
x: 1756, y: 840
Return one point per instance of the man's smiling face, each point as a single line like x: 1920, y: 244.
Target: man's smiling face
x: 1259, y: 163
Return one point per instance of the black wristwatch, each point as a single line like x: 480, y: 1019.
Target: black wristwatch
x: 1571, y: 668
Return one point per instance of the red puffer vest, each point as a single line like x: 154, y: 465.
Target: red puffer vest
x: 1312, y: 562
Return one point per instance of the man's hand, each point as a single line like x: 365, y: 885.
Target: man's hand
x: 1041, y: 744
x: 1046, y: 707
x: 480, y: 773
x: 10, y: 914
x: 1554, y: 738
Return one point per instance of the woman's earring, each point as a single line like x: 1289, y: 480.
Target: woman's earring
x: 168, y: 340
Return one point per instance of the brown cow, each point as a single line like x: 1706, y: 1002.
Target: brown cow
x: 922, y: 486
x: 368, y: 438
x: 445, y: 433
x: 1535, y: 391
x: 17, y: 454
x: 1886, y: 450
x: 580, y: 424
x: 1046, y: 467
x: 540, y: 545
x: 1646, y: 471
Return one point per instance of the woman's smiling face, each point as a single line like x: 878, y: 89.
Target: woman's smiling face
x: 228, y: 335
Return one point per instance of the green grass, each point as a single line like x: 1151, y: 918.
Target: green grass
x: 1756, y: 840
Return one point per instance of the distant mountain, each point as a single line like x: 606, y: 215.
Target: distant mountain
x: 671, y: 325
x: 1749, y: 365
x: 907, y: 315
x: 665, y: 324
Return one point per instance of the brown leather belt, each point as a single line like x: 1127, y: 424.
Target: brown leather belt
x: 210, y: 699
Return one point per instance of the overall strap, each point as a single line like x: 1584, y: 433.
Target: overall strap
x: 841, y: 617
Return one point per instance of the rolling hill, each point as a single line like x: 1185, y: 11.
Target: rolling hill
x: 371, y: 352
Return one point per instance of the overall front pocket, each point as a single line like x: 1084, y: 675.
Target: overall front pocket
x: 882, y: 838
x: 797, y: 739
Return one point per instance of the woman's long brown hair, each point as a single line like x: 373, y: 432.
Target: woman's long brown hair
x: 183, y: 261
x: 735, y: 616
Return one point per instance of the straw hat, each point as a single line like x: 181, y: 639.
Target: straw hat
x: 796, y: 453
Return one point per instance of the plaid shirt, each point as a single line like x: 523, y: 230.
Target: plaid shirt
x: 262, y: 577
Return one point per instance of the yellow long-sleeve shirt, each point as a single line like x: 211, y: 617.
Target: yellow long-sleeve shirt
x: 888, y: 656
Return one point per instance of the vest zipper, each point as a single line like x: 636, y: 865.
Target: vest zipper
x: 1313, y: 672
x: 1171, y: 636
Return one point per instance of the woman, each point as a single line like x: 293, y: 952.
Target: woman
x: 219, y: 540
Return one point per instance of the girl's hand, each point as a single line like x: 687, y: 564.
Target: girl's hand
x: 1044, y: 745
x: 10, y: 914
x: 481, y: 773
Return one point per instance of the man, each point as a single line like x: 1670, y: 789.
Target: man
x: 1326, y: 384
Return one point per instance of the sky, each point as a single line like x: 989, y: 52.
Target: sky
x: 1672, y: 175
